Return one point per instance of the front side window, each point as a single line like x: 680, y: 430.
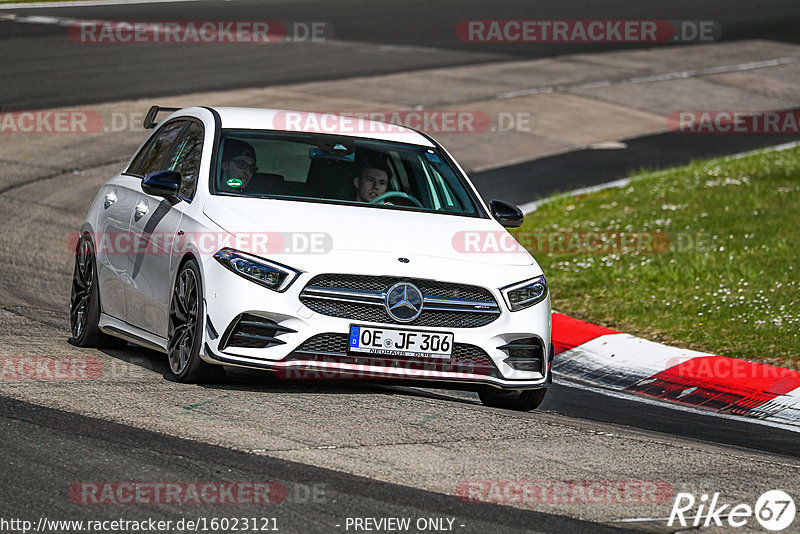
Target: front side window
x: 155, y: 156
x: 186, y: 159
x: 339, y: 169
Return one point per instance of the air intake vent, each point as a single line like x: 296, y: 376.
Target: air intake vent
x: 526, y: 354
x: 252, y: 332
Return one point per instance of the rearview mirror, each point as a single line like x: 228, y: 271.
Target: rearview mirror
x: 162, y: 184
x: 506, y: 214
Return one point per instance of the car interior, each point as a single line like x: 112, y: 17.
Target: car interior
x: 324, y: 166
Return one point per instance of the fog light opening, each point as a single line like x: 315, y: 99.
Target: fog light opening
x: 526, y: 354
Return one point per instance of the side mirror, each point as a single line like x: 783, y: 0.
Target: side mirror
x: 506, y: 214
x: 162, y: 184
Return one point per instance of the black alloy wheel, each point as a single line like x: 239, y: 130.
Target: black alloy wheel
x: 84, y: 302
x: 185, y: 333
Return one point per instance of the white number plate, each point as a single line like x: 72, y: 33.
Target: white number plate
x: 393, y: 342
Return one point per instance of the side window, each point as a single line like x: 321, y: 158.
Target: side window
x: 159, y: 151
x: 186, y: 159
x: 137, y: 161
x: 448, y: 200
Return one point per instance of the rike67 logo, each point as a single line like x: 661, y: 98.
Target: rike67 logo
x: 774, y: 510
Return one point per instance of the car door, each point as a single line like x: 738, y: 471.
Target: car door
x: 113, y: 242
x: 155, y: 226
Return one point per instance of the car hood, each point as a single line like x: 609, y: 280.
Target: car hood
x: 298, y: 231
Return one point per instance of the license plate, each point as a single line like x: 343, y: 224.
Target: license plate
x: 394, y: 342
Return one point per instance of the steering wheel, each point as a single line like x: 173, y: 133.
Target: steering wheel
x: 397, y: 194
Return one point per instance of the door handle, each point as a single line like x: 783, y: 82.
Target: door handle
x: 140, y: 209
x: 110, y: 199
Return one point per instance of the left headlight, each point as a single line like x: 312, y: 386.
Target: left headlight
x: 265, y: 273
x: 525, y: 294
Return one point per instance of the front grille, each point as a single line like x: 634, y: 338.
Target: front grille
x: 380, y: 283
x: 333, y: 348
x: 476, y: 305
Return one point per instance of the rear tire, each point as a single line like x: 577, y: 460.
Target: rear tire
x: 84, y: 302
x: 185, y: 329
x: 523, y: 401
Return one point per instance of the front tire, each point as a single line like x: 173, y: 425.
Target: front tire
x: 185, y: 330
x: 523, y: 401
x: 84, y: 302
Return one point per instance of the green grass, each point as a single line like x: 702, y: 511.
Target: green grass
x: 727, y: 282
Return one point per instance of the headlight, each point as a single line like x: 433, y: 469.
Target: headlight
x: 525, y: 294
x: 266, y: 273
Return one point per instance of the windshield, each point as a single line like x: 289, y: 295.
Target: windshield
x: 339, y: 169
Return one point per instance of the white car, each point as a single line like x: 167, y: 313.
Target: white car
x: 315, y: 248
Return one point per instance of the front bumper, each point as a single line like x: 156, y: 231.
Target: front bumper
x: 477, y: 359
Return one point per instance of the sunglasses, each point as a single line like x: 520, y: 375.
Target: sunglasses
x: 242, y: 164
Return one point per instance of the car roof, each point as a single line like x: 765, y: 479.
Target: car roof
x: 315, y: 122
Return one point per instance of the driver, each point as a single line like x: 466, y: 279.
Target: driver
x: 238, y: 164
x: 371, y: 182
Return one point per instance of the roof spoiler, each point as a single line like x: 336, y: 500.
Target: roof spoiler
x: 150, y: 118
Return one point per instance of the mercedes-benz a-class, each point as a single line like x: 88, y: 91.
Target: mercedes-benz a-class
x: 311, y: 245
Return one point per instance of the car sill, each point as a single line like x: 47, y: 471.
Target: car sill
x: 115, y: 327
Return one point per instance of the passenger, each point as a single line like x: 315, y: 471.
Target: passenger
x: 238, y: 165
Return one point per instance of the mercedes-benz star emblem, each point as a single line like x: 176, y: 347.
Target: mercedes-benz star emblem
x: 404, y: 302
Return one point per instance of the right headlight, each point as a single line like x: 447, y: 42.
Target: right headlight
x: 269, y: 274
x: 525, y: 294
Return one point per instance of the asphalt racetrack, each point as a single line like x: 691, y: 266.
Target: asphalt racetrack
x: 41, y: 70
x: 370, y: 450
